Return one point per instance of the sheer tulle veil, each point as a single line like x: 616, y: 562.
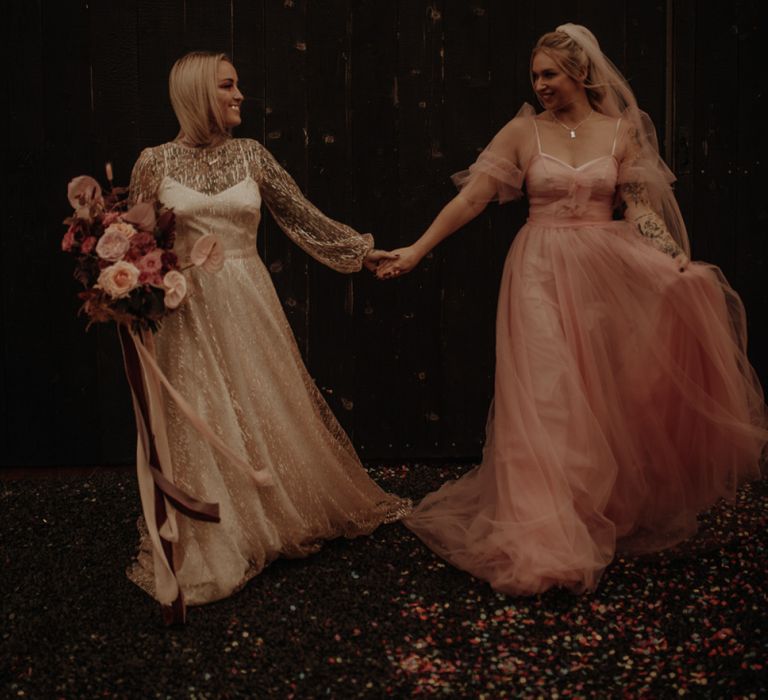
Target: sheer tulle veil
x: 497, y: 175
x: 610, y: 94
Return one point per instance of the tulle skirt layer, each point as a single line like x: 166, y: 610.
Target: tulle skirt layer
x: 624, y: 405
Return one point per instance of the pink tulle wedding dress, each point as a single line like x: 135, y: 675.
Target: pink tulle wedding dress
x: 624, y: 401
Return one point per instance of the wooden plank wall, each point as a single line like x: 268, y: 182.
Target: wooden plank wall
x: 720, y: 148
x: 371, y: 106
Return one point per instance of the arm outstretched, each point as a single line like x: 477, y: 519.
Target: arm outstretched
x: 458, y: 212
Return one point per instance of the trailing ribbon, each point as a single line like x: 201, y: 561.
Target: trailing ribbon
x: 160, y: 497
x: 151, y: 368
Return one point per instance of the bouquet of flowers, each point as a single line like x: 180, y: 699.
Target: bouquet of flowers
x: 124, y: 255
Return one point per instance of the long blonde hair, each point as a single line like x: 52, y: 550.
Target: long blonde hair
x: 571, y: 58
x: 192, y: 87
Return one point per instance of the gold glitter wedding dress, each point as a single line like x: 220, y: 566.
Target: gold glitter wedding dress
x: 230, y: 352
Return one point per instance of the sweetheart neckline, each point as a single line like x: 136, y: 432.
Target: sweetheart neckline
x: 580, y: 167
x: 212, y: 196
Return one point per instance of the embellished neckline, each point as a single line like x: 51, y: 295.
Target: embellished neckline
x: 203, y: 149
x: 210, y: 155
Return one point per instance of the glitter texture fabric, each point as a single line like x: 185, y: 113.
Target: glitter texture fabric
x: 230, y: 351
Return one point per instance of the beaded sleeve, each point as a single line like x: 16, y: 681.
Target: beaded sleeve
x: 328, y: 241
x: 213, y: 170
x: 145, y: 178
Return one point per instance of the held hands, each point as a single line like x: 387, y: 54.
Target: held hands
x: 376, y: 258
x: 404, y: 260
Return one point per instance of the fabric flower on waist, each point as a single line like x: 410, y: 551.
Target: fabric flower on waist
x: 579, y: 193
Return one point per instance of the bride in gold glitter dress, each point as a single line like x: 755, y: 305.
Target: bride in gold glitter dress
x: 230, y: 352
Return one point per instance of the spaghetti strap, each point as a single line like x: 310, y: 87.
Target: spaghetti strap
x: 615, y: 136
x: 538, y: 138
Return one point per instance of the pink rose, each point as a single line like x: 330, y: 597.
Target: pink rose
x: 121, y: 227
x: 150, y: 266
x: 142, y: 216
x: 88, y: 245
x: 112, y: 246
x: 118, y: 280
x: 175, y: 288
x: 208, y: 253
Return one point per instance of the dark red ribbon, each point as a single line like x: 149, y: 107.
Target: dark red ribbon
x: 192, y: 507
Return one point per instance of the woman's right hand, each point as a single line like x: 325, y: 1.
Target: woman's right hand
x: 407, y: 259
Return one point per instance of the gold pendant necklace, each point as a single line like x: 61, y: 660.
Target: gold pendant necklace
x: 572, y: 129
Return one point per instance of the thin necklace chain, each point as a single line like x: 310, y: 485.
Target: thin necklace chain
x: 572, y: 129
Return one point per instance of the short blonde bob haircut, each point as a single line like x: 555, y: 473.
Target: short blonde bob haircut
x: 192, y: 87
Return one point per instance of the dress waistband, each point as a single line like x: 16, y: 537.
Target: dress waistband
x: 557, y: 222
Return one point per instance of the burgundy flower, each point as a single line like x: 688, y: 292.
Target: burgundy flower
x: 68, y: 242
x: 170, y: 260
x: 88, y: 245
x: 141, y: 244
x: 166, y: 224
x: 167, y: 221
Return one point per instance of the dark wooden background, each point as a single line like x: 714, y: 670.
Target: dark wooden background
x: 370, y: 104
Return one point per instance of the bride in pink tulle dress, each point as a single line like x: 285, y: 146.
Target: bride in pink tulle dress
x: 624, y: 401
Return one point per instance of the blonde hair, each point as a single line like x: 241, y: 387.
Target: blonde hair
x: 573, y: 61
x: 192, y: 87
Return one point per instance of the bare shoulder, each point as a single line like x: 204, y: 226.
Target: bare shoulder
x: 516, y: 130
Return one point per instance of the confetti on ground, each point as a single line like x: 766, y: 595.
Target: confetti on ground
x: 373, y: 617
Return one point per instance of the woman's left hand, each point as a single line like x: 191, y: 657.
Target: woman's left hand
x: 407, y: 259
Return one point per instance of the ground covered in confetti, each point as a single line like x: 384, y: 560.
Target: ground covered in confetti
x: 374, y: 617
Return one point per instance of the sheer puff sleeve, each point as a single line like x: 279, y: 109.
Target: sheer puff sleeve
x: 145, y: 178
x: 498, y: 173
x: 332, y: 243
